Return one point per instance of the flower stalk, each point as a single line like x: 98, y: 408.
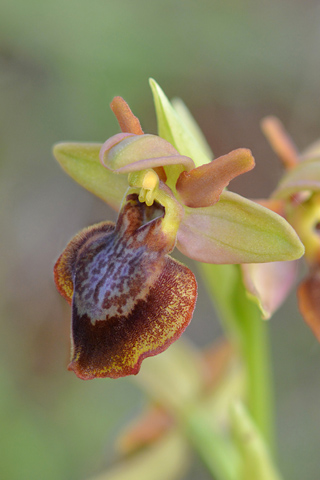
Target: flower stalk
x: 241, y: 321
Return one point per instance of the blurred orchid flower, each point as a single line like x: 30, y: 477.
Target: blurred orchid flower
x: 297, y: 198
x: 130, y: 299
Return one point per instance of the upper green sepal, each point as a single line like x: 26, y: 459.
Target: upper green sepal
x: 181, y: 133
x: 81, y: 162
x: 186, y: 117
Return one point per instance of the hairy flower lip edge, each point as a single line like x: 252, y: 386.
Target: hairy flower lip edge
x: 136, y: 368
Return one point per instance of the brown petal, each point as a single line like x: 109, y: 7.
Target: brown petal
x: 202, y: 186
x: 128, y: 122
x: 280, y: 141
x: 309, y: 300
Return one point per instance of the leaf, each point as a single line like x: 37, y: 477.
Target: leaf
x: 81, y: 162
x: 237, y: 230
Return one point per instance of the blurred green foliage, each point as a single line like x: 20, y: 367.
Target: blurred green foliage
x: 60, y: 65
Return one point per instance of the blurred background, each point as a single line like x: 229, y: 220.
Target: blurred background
x: 61, y: 63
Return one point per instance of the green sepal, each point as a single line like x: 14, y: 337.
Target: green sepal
x: 175, y: 130
x: 186, y: 117
x: 237, y: 230
x: 81, y: 162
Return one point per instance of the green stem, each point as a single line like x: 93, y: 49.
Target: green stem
x: 256, y: 459
x: 242, y: 322
x: 217, y: 453
x: 256, y: 354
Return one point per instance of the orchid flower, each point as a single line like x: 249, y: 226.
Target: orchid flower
x: 130, y: 299
x: 297, y: 198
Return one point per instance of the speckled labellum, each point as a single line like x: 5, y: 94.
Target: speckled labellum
x: 130, y: 299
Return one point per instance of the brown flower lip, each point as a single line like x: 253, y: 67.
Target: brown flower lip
x: 130, y: 300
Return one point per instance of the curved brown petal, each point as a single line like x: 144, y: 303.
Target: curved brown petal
x: 202, y: 186
x: 309, y: 300
x: 131, y: 300
x: 127, y: 121
x: 130, y: 123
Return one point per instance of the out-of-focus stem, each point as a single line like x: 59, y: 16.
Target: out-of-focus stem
x: 242, y: 323
x: 256, y: 459
x: 255, y: 350
x: 217, y: 453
